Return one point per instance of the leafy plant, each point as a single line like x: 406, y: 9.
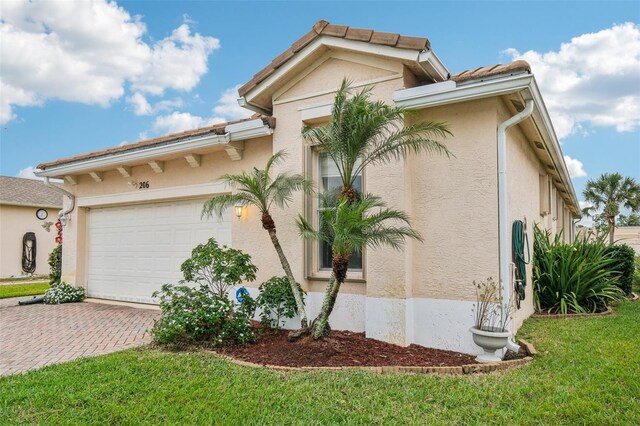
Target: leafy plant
x: 572, y: 278
x: 636, y: 275
x: 623, y: 265
x: 489, y: 313
x: 55, y: 264
x: 276, y: 301
x: 197, y: 315
x: 219, y: 268
x: 63, y: 293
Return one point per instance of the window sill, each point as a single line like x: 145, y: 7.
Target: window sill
x: 326, y: 279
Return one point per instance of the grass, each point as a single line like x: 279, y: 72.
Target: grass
x: 18, y: 290
x: 588, y: 372
x: 31, y: 278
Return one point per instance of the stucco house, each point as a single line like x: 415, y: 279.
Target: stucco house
x: 133, y: 212
x: 26, y: 205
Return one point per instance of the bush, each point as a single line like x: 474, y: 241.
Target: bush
x: 276, y: 302
x: 63, y: 293
x: 572, y: 278
x: 636, y: 275
x: 55, y: 264
x: 217, y: 267
x: 623, y: 266
x: 197, y: 315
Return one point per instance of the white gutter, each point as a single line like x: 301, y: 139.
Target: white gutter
x: 503, y: 229
x: 238, y: 131
x: 62, y: 215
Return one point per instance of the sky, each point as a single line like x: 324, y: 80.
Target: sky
x: 78, y: 76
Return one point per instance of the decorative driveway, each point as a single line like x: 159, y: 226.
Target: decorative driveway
x: 36, y: 335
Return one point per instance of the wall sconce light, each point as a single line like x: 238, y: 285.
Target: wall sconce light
x: 238, y: 209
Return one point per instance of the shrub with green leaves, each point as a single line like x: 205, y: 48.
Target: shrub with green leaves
x: 63, y: 293
x: 623, y: 265
x: 572, y: 278
x: 219, y: 268
x: 276, y: 302
x: 196, y: 315
x: 55, y: 264
x: 636, y: 275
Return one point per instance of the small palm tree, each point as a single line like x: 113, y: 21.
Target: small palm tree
x: 259, y: 189
x: 608, y: 193
x: 349, y: 227
x: 365, y: 133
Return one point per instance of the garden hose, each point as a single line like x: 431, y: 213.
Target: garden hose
x: 520, y: 241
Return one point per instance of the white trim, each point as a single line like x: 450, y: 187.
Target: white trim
x: 251, y: 129
x: 432, y: 65
x: 175, y: 192
x: 316, y: 112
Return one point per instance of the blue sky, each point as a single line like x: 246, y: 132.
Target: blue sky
x: 222, y: 44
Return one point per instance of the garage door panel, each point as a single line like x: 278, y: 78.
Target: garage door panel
x: 133, y: 250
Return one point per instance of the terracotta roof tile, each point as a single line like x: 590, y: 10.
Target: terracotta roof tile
x: 493, y: 70
x: 215, y: 129
x: 28, y: 192
x: 324, y: 28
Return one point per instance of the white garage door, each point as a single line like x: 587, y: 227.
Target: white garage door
x: 133, y: 250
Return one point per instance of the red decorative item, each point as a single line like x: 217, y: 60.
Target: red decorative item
x: 59, y: 237
x: 59, y: 225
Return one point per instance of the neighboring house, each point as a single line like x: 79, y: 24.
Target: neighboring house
x: 137, y: 212
x: 26, y: 205
x: 629, y: 235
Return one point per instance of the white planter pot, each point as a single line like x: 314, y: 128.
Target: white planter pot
x: 490, y: 342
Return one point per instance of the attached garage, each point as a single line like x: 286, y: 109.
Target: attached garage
x: 133, y: 249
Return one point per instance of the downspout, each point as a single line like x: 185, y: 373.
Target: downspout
x: 62, y: 215
x: 505, y: 275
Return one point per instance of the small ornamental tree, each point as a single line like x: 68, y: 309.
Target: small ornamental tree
x: 219, y: 268
x: 276, y: 302
x: 55, y: 264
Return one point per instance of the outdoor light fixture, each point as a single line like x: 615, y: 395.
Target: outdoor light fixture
x: 239, y: 208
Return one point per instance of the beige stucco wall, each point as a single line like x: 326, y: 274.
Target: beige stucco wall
x: 629, y: 235
x: 15, y: 221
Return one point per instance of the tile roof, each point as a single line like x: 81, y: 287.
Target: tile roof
x: 324, y: 28
x: 514, y: 67
x: 28, y: 192
x: 218, y: 129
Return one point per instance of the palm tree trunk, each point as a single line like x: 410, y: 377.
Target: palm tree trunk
x: 612, y: 228
x: 304, y: 322
x: 330, y: 296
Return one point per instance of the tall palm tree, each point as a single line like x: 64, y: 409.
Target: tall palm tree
x: 364, y: 133
x: 259, y: 189
x: 349, y: 226
x: 611, y: 191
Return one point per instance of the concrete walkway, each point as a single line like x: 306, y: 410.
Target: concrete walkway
x: 36, y: 335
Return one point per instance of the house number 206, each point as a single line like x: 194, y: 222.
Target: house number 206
x: 143, y: 185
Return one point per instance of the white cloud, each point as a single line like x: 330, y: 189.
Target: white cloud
x: 575, y: 167
x: 594, y: 78
x: 28, y: 173
x: 87, y: 52
x: 226, y: 109
x: 141, y: 106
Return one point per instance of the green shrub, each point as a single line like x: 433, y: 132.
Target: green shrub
x: 217, y: 267
x: 572, y: 278
x: 55, y: 264
x: 276, y: 302
x: 198, y: 315
x: 63, y: 293
x: 636, y: 275
x: 623, y: 266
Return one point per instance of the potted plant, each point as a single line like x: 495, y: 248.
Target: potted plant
x: 491, y: 319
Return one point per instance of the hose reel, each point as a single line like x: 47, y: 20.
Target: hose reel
x: 29, y: 253
x: 520, y: 240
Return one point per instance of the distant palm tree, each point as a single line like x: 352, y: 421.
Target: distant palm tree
x: 364, y: 133
x: 349, y: 227
x: 608, y: 193
x: 259, y: 189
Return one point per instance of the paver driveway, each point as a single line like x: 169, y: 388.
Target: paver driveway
x: 36, y: 335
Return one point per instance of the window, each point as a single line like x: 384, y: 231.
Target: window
x: 329, y: 180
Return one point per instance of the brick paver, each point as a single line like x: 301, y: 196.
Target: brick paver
x: 36, y: 335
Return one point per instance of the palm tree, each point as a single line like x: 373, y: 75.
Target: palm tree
x: 259, y: 189
x: 611, y: 191
x: 349, y: 227
x: 365, y: 133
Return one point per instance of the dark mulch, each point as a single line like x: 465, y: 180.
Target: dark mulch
x: 341, y: 349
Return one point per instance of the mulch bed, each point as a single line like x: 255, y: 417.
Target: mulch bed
x: 340, y: 349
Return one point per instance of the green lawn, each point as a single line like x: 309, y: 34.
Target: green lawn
x: 31, y: 278
x: 588, y: 372
x: 17, y: 290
